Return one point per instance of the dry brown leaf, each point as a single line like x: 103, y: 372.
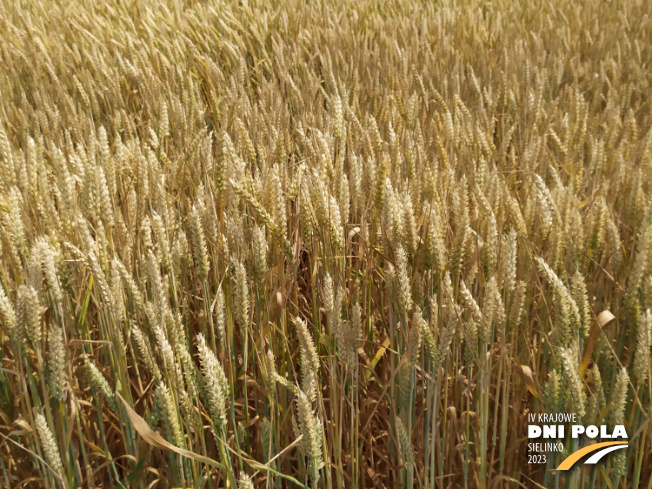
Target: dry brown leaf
x: 24, y: 425
x: 604, y: 319
x: 156, y: 440
x: 529, y: 380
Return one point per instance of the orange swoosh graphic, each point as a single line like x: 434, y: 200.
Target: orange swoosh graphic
x: 575, y: 456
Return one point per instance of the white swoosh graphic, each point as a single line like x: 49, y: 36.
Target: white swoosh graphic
x: 596, y: 458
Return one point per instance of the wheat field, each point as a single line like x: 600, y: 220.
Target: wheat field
x: 325, y: 244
